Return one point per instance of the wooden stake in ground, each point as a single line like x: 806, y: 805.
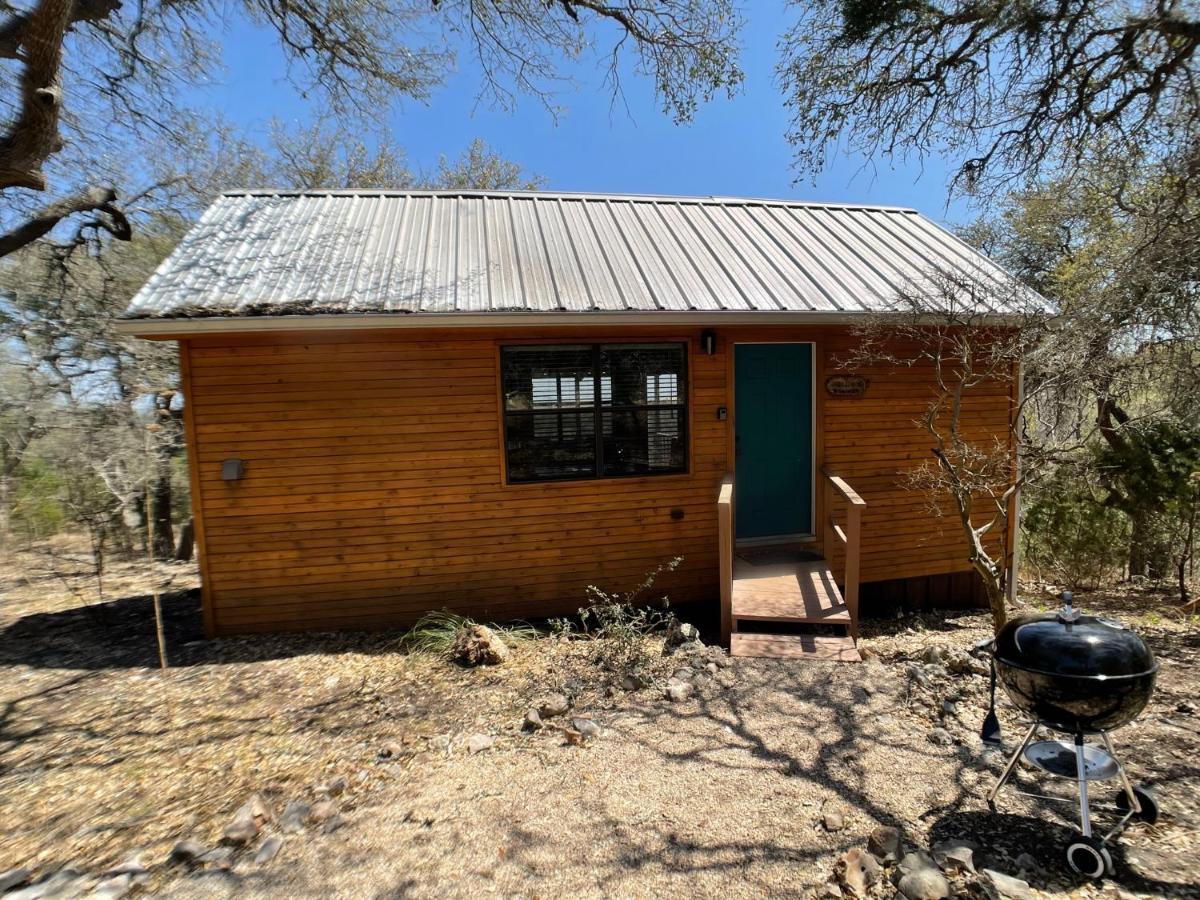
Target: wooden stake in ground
x: 158, y: 619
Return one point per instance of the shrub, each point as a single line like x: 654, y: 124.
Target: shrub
x: 1070, y: 536
x: 620, y: 622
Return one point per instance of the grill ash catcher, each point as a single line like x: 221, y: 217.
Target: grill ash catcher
x: 1082, y: 676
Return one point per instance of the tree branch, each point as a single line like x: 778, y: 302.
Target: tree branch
x: 98, y: 200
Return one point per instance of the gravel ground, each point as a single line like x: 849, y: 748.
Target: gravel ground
x: 723, y: 795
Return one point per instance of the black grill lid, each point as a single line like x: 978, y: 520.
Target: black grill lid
x: 1067, y: 643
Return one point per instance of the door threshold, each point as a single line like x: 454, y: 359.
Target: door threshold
x: 775, y: 539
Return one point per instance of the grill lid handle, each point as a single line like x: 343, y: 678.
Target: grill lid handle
x: 1068, y: 614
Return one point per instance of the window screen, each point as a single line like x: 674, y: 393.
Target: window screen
x: 592, y: 411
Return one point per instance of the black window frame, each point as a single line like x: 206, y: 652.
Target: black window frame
x: 599, y: 409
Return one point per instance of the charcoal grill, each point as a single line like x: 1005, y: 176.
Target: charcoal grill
x: 1082, y: 676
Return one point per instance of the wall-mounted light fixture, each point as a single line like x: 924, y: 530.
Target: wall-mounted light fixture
x: 708, y: 342
x: 232, y: 469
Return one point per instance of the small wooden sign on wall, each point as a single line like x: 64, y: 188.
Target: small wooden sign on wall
x: 846, y: 385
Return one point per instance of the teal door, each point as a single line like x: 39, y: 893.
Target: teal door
x: 773, y: 470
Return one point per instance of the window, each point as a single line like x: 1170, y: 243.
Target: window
x: 594, y: 411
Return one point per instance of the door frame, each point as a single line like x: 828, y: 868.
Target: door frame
x: 799, y: 538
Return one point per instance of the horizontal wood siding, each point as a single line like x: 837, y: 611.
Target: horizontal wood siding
x: 374, y: 488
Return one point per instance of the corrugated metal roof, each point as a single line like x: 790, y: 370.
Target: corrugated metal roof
x: 278, y: 252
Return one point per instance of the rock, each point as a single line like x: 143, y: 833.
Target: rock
x: 63, y: 883
x: 1028, y: 864
x: 934, y: 655
x: 333, y: 823
x: 916, y: 861
x: 680, y: 691
x: 479, y: 646
x: 553, y: 705
x: 337, y: 786
x: 241, y: 830
x: 719, y: 656
x: 679, y: 634
x: 857, y: 871
x: 218, y: 856
x: 999, y: 886
x: 256, y: 808
x: 684, y: 673
x: 588, y: 728
x: 867, y: 654
x: 834, y: 820
x: 13, y: 878
x: 955, y: 855
x: 322, y: 811
x: 113, y: 888
x: 477, y: 743
x: 924, y: 884
x: 941, y: 737
x: 533, y: 721
x: 949, y: 708
x: 187, y: 851
x: 712, y: 668
x: 390, y: 750
x: 917, y: 674
x: 634, y: 681
x: 295, y: 814
x: 884, y: 843
x: 268, y: 850
x: 132, y: 865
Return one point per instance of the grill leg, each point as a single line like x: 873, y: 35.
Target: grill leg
x: 1012, y: 765
x: 1134, y: 804
x: 1085, y: 819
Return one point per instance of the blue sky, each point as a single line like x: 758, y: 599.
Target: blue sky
x: 734, y: 147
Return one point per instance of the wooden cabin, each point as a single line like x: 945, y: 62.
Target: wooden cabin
x: 485, y: 402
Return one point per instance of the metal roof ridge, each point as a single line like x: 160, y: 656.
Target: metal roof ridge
x: 717, y: 199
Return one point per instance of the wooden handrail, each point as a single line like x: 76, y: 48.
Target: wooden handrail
x: 725, y: 543
x: 851, y: 536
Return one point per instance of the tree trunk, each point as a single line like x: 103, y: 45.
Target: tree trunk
x: 164, y: 536
x: 187, y: 540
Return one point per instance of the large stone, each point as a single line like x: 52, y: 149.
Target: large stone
x: 479, y: 646
x: 533, y: 720
x: 322, y: 811
x: 553, y: 705
x: 924, y: 884
x: 680, y: 633
x: 187, y: 851
x: 62, y: 884
x: 477, y: 743
x: 679, y: 691
x: 337, y: 786
x: 955, y: 855
x: 999, y: 886
x: 12, y: 878
x: 295, y: 814
x: 916, y: 861
x: 218, y: 856
x: 834, y: 820
x: 857, y: 871
x: 268, y: 850
x: 588, y: 728
x: 112, y: 888
x: 884, y: 843
x: 131, y: 865
x: 241, y: 830
x: 941, y: 737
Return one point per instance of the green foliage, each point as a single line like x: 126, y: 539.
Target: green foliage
x: 435, y: 632
x: 37, y: 509
x: 1071, y: 537
x: 619, y: 623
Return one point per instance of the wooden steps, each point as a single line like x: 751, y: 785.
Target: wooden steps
x: 789, y: 588
x: 801, y: 591
x: 832, y: 648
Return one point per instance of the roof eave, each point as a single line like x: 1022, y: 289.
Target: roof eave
x: 175, y: 328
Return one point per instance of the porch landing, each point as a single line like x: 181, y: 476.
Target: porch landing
x: 791, y: 587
